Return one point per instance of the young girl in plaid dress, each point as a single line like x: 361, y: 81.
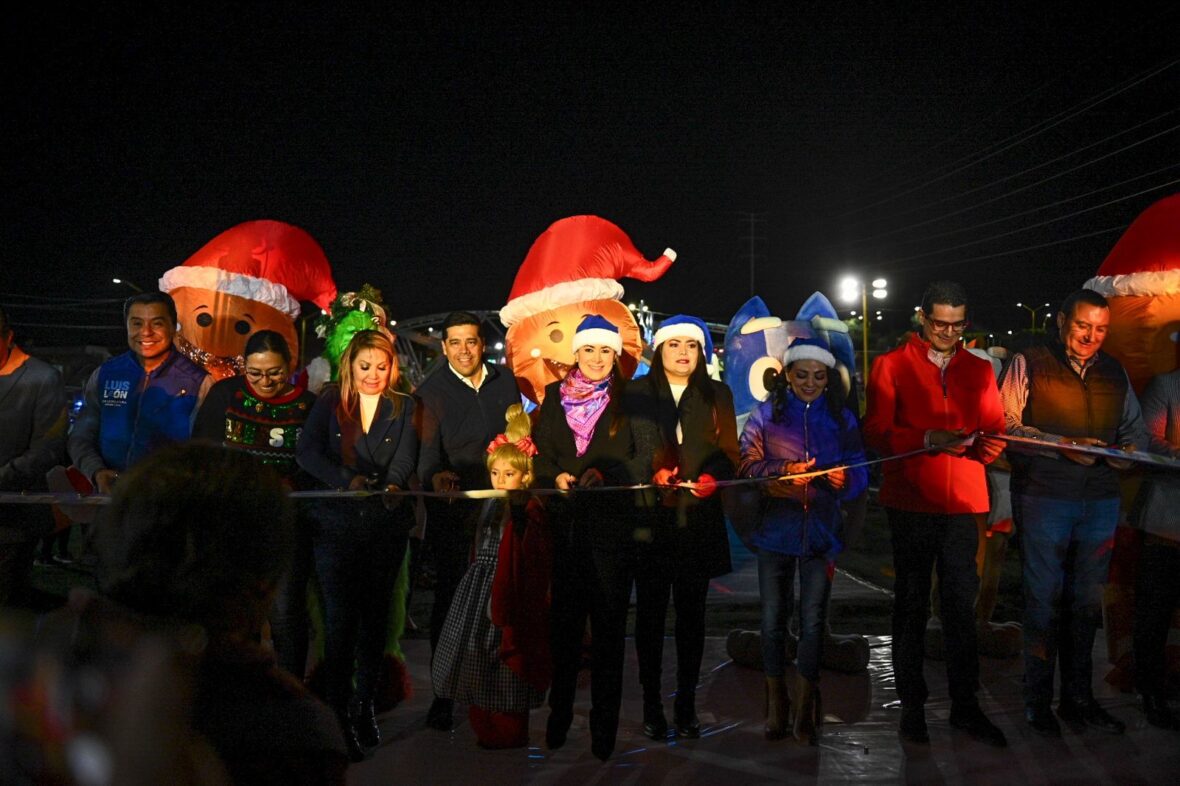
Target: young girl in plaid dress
x: 493, y: 653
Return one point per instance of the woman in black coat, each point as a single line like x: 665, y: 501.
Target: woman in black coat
x: 695, y: 437
x: 359, y: 436
x: 584, y: 439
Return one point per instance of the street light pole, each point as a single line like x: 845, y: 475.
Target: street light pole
x: 126, y: 283
x: 848, y: 292
x: 1032, y: 314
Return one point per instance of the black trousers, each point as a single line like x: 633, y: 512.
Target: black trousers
x: 449, y: 536
x: 652, y: 592
x: 1157, y: 594
x: 923, y: 542
x: 592, y: 582
x: 288, y: 617
x: 358, y: 547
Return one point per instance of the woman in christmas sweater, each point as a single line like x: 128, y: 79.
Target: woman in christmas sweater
x: 262, y: 413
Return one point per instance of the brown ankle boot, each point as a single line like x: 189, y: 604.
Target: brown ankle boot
x: 778, y: 703
x: 807, y: 710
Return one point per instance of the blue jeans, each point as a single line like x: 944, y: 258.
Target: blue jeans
x: 358, y: 547
x: 1065, y: 547
x: 776, y: 585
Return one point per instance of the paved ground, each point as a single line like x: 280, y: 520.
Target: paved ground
x: 859, y: 744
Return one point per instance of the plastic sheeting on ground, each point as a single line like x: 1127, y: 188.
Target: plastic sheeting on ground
x: 859, y: 744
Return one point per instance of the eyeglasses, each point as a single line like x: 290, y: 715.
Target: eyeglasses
x: 274, y: 375
x: 939, y: 326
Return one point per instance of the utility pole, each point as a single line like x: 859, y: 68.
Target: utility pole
x: 754, y: 219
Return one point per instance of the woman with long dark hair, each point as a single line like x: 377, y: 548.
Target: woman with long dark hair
x: 262, y: 413
x: 359, y: 436
x: 584, y: 439
x: 695, y: 438
x: 803, y: 427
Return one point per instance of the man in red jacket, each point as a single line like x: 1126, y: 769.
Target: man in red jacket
x: 931, y: 393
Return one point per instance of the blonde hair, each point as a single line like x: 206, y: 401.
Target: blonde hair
x: 519, y: 426
x: 375, y: 341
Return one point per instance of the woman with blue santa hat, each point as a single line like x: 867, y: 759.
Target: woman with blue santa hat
x: 693, y: 433
x: 804, y: 426
x: 584, y: 439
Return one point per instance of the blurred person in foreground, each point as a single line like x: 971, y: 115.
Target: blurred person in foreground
x: 161, y: 678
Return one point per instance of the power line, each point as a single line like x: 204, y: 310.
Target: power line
x: 1007, y: 144
x: 1042, y: 181
x: 1096, y: 233
x: 22, y: 325
x: 78, y: 300
x: 63, y: 307
x: 1114, y: 46
x: 1035, y: 226
x: 1003, y: 180
x: 1041, y: 207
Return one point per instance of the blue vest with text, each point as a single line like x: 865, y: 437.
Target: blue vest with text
x: 139, y: 412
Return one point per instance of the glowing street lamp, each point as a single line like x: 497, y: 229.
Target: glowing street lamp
x: 1032, y: 313
x: 850, y: 288
x: 126, y: 283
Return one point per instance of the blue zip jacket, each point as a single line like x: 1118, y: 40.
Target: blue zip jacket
x: 804, y: 431
x: 127, y: 413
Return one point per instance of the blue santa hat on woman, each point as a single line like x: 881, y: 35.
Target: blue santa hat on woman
x: 809, y: 348
x: 684, y: 326
x: 599, y: 332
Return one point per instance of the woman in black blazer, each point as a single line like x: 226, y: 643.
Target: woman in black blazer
x: 359, y: 436
x: 584, y: 439
x: 695, y: 434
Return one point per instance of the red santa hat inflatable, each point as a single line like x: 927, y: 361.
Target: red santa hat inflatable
x: 1146, y: 260
x: 576, y: 259
x: 269, y: 262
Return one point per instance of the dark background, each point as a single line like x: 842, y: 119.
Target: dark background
x: 426, y: 148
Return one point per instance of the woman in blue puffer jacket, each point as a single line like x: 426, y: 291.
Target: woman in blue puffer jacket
x: 802, y: 428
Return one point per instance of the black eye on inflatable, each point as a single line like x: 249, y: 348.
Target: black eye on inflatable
x: 242, y: 327
x: 762, y: 375
x: 204, y: 320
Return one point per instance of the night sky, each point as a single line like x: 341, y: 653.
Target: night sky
x: 425, y: 149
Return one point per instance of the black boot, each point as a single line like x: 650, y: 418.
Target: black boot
x: 557, y: 728
x: 655, y: 725
x: 603, y: 729
x: 355, y: 752
x: 684, y: 715
x: 365, y: 722
x: 1158, y: 714
x: 441, y: 714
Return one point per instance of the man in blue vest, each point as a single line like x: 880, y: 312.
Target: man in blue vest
x: 462, y: 410
x: 138, y: 401
x: 1066, y: 504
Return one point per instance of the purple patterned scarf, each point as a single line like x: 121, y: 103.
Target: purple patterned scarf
x: 584, y: 402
